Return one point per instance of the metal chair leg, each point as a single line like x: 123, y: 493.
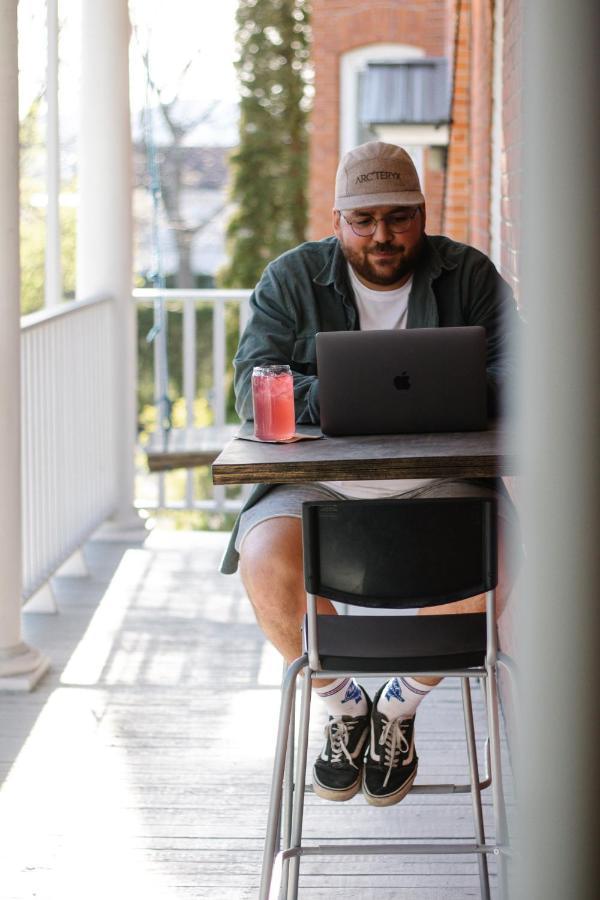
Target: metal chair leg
x: 287, y: 696
x: 298, y: 813
x: 497, y: 792
x: 288, y: 796
x: 484, y: 880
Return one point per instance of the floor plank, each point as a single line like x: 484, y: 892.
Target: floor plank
x: 140, y: 767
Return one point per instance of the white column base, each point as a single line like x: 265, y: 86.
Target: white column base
x: 21, y: 668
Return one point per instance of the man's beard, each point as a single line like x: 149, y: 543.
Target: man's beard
x: 359, y: 260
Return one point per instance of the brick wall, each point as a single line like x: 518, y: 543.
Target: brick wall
x: 456, y: 219
x: 481, y: 122
x: 433, y: 188
x: 468, y: 179
x: 343, y: 25
x: 511, y: 150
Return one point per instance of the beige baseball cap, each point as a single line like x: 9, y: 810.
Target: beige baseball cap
x: 377, y: 174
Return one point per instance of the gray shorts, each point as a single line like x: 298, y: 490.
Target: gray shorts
x: 287, y: 500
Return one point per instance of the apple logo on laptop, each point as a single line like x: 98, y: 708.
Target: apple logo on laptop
x: 402, y: 382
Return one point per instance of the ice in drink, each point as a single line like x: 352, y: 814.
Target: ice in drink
x: 273, y: 402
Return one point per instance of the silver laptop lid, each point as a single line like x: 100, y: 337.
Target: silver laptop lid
x: 414, y: 380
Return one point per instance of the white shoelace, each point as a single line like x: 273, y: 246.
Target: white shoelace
x: 394, y: 741
x: 337, y: 733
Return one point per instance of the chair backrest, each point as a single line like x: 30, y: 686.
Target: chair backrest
x: 400, y: 553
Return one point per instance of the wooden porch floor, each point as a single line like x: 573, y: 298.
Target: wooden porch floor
x: 140, y: 766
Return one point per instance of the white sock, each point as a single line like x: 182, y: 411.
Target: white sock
x: 401, y: 696
x: 343, y: 697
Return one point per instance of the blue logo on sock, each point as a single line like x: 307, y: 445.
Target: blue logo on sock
x: 394, y: 691
x: 353, y: 693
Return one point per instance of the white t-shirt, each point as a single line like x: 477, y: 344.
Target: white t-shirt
x: 378, y: 310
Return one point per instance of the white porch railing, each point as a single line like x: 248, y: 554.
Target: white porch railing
x: 152, y: 491
x: 68, y: 432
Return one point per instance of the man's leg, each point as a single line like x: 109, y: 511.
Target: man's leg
x: 400, y: 697
x: 272, y: 572
x: 477, y: 604
x: 392, y: 761
x: 271, y: 567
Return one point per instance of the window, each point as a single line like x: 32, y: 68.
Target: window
x: 414, y: 92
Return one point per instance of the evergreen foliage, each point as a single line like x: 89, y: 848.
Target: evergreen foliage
x: 270, y: 165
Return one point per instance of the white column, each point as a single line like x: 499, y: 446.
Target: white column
x: 20, y: 665
x: 104, y: 237
x: 53, y: 286
x: 560, y: 610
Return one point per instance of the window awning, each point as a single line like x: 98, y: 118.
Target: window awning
x: 412, y: 92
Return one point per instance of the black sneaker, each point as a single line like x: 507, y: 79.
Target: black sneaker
x: 337, y: 770
x: 391, y: 763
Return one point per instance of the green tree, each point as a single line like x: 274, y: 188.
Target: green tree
x: 270, y: 165
x: 33, y: 217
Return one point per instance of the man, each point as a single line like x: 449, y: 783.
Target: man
x: 379, y: 270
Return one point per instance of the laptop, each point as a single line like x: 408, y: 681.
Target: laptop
x: 403, y: 381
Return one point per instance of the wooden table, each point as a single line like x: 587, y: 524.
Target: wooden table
x: 480, y: 454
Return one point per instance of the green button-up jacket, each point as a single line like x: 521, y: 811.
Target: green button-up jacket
x: 307, y: 290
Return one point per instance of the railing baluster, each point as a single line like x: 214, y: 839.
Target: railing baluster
x: 219, y: 383
x: 45, y: 488
x: 244, y: 314
x: 39, y: 473
x: 189, y: 381
x: 27, y: 451
x: 189, y: 360
x: 53, y: 406
x: 219, y: 363
x: 63, y: 447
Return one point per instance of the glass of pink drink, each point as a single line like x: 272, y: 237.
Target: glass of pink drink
x: 273, y: 402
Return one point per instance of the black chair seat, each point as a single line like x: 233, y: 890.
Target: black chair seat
x: 401, y: 643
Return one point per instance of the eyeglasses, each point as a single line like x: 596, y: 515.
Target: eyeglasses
x: 364, y: 225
